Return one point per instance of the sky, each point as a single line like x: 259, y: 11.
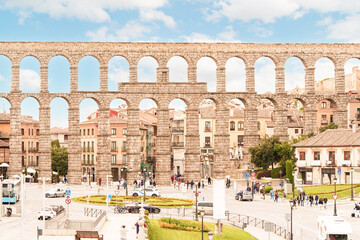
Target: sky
x: 249, y: 21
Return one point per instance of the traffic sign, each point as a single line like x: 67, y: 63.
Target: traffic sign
x: 335, y: 196
x: 253, y: 178
x: 280, y: 171
x: 179, y: 182
x: 109, y: 196
x: 145, y: 165
x: 67, y: 200
x: 117, y: 192
x: 339, y: 172
x: 67, y: 192
x: 246, y: 175
x: 253, y: 174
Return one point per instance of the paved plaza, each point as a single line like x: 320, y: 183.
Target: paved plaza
x: 304, y: 217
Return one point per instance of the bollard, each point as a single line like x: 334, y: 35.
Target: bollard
x: 183, y: 209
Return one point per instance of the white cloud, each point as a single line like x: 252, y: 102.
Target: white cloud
x: 354, y: 62
x: 178, y: 69
x: 324, y: 22
x: 29, y: 80
x: 260, y: 30
x: 206, y: 72
x: 228, y: 35
x: 147, y: 69
x: 150, y: 15
x: 118, y: 70
x: 130, y: 32
x: 235, y: 75
x: 347, y: 29
x: 294, y: 74
x: 324, y: 68
x: 89, y: 10
x: 264, y: 75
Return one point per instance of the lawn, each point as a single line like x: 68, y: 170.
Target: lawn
x: 229, y: 233
x: 342, y: 190
x: 155, y: 201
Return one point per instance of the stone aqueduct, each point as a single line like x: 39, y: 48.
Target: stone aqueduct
x: 163, y: 92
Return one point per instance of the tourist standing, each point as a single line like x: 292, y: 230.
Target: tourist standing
x: 123, y: 232
x: 325, y: 201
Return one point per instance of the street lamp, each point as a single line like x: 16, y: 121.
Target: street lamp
x: 126, y: 183
x: 202, y: 213
x: 293, y: 183
x: 196, y: 201
x: 292, y: 204
x: 335, y: 179
x: 210, y: 235
x: 247, y: 181
x: 351, y: 179
x: 252, y: 185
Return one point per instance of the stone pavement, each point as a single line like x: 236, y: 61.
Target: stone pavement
x: 111, y: 227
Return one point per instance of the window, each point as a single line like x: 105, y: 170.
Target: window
x: 66, y: 137
x: 92, y: 132
x: 84, y: 132
x: 347, y: 156
x: 259, y: 126
x: 331, y: 118
x: 207, y: 142
x: 302, y: 131
x: 240, y: 140
x: 113, y: 131
x: 29, y: 132
x: 323, y: 105
x: 88, y: 132
x: 332, y: 156
x: 113, y: 146
x: 113, y: 159
x: 316, y: 156
x: 296, y: 130
x: 232, y: 126
x: 92, y: 146
x: 37, y: 132
x: 207, y: 126
x: 92, y: 159
x: 23, y: 146
x: 302, y: 156
x: 37, y: 160
x: 22, y: 132
x: 124, y: 159
x: 32, y: 132
x: 123, y: 146
x: 124, y: 131
x: 240, y: 126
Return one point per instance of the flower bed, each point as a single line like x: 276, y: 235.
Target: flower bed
x: 184, y: 225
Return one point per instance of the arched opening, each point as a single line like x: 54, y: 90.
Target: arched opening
x: 118, y: 133
x: 147, y: 69
x: 325, y: 113
x: 5, y: 74
x: 206, y: 72
x: 324, y: 75
x: 236, y: 128
x: 178, y: 69
x: 59, y: 132
x: 89, y: 74
x: 4, y: 136
x: 88, y: 136
x: 177, y: 114
x: 353, y: 113
x: 148, y: 133
x: 265, y: 116
x: 30, y: 75
x: 59, y: 75
x: 118, y: 72
x: 264, y: 75
x: 235, y: 75
x: 30, y: 131
x: 295, y: 118
x: 207, y: 131
x: 294, y: 76
x: 352, y: 75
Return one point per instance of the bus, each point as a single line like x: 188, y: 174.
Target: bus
x: 10, y: 191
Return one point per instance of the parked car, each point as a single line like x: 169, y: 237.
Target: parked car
x: 207, y: 206
x: 149, y: 192
x: 57, y: 209
x: 147, y: 187
x: 135, y: 208
x: 244, y: 195
x: 47, y: 213
x: 55, y: 192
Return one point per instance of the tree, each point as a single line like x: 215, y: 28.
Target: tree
x: 289, y: 170
x: 263, y: 155
x: 329, y: 126
x: 25, y: 171
x: 36, y: 175
x: 59, y: 158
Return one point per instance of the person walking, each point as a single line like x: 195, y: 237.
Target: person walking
x: 203, y: 184
x: 316, y: 199
x: 199, y: 185
x: 357, y: 210
x: 99, y: 181
x: 209, y: 180
x: 311, y: 199
x: 321, y: 202
x: 192, y: 184
x: 271, y: 194
x: 276, y: 196
x: 325, y: 201
x: 123, y: 232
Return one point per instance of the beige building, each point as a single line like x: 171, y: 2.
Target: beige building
x: 295, y: 123
x: 61, y: 134
x: 178, y: 130
x: 321, y: 157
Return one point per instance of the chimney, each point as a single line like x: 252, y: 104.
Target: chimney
x: 354, y: 126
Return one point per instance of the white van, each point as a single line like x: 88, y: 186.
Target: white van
x: 333, y: 228
x: 206, y: 206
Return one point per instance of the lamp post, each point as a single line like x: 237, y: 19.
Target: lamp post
x: 351, y: 180
x: 196, y: 201
x: 202, y: 213
x: 210, y: 235
x: 252, y: 185
x: 247, y: 181
x: 126, y: 183
x: 292, y: 203
x: 335, y: 179
x: 293, y: 183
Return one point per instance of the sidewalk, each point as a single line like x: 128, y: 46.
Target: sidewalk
x: 111, y: 228
x: 261, y: 234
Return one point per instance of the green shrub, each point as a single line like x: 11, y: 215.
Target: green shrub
x: 268, y: 189
x: 185, y: 225
x: 289, y: 170
x: 275, y: 173
x: 261, y: 174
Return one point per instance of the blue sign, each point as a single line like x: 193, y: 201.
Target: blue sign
x: 109, y: 197
x: 67, y: 192
x: 339, y: 172
x: 247, y: 176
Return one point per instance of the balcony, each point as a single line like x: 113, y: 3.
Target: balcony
x: 123, y: 148
x: 357, y: 116
x: 207, y: 129
x: 114, y: 148
x: 24, y: 150
x: 33, y: 150
x: 331, y: 163
x: 301, y: 163
x: 324, y: 122
x: 177, y: 129
x: 316, y: 163
x: 207, y: 145
x: 346, y: 163
x: 178, y: 144
x: 240, y: 144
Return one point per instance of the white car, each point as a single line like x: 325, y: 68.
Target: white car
x: 147, y: 187
x: 149, y: 192
x: 55, y: 192
x: 48, y: 213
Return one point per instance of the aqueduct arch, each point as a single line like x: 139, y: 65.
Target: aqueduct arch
x: 162, y: 90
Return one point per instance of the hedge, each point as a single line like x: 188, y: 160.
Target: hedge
x: 261, y: 174
x: 275, y: 173
x: 268, y: 189
x: 184, y: 225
